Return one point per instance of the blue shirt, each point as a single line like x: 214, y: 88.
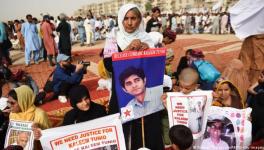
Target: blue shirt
x: 2, y: 32
x: 30, y: 33
x: 152, y: 102
x: 80, y: 26
x: 65, y: 75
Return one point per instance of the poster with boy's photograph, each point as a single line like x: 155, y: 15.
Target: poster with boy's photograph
x: 139, y: 82
x: 227, y: 128
x: 219, y: 134
x: 20, y: 134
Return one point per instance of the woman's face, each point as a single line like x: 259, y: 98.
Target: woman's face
x: 224, y: 91
x: 131, y: 21
x: 166, y: 40
x: 84, y: 105
x: 188, y: 55
x: 13, y: 104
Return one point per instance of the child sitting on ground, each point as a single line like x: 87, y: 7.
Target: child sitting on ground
x: 181, y: 137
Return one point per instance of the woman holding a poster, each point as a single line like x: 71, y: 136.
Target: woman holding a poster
x: 132, y: 36
x: 22, y: 107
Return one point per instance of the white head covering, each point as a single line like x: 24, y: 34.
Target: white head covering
x: 123, y: 38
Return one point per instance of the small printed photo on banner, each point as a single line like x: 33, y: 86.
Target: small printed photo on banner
x: 196, y: 113
x: 190, y: 110
x: 219, y: 134
x: 109, y: 147
x: 20, y: 133
x: 21, y: 138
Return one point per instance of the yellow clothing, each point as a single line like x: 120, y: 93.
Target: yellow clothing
x: 29, y: 112
x: 168, y: 70
x: 103, y: 73
x: 237, y: 100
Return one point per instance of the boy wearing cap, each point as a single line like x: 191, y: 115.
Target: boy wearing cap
x: 214, y: 141
x: 65, y: 76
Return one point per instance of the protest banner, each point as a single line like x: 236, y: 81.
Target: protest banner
x: 190, y: 110
x: 101, y: 133
x: 110, y: 47
x: 229, y: 126
x: 139, y: 82
x: 20, y: 133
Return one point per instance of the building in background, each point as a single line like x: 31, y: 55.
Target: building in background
x: 111, y: 7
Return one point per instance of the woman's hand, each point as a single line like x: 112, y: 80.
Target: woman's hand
x: 164, y: 99
x: 36, y: 131
x: 144, y: 46
x: 134, y: 45
x: 6, y: 111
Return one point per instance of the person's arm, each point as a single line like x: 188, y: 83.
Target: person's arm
x: 164, y: 99
x: 23, y: 29
x: 36, y: 29
x: 58, y: 29
x: 252, y: 87
x: 72, y: 79
x: 149, y: 25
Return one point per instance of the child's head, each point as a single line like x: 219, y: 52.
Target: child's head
x: 188, y: 80
x: 188, y: 53
x: 168, y: 36
x: 181, y: 137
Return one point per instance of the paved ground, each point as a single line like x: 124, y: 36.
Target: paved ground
x: 219, y: 49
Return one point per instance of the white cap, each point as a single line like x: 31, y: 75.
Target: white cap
x: 216, y: 117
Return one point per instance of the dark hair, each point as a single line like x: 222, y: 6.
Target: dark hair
x: 35, y: 19
x: 77, y: 93
x: 28, y: 15
x: 181, y: 136
x: 170, y: 34
x: 188, y: 51
x: 155, y: 9
x: 16, y: 21
x: 51, y: 18
x: 12, y: 93
x: 14, y: 147
x: 130, y: 71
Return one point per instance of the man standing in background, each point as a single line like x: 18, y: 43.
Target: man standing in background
x: 30, y: 32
